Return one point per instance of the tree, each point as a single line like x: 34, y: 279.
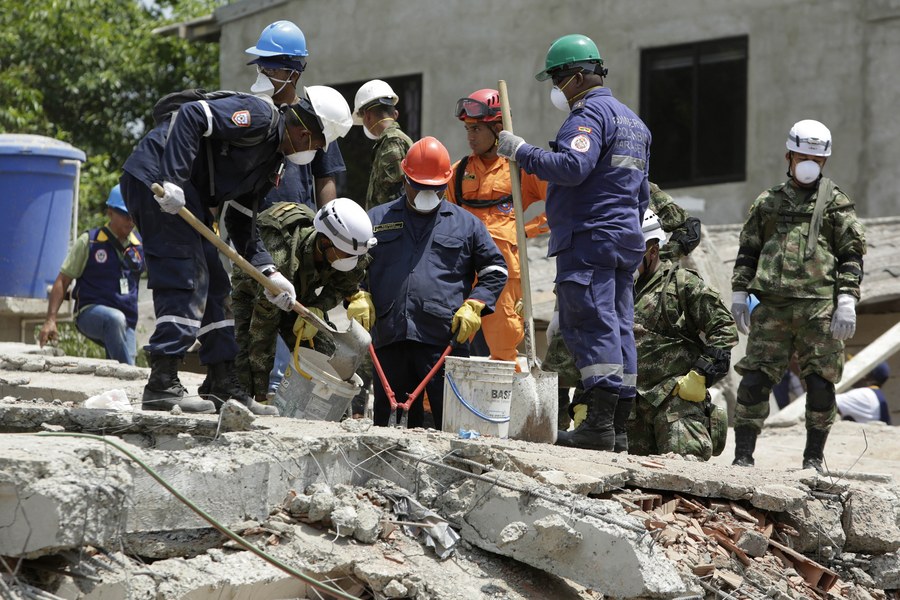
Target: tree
x: 89, y: 72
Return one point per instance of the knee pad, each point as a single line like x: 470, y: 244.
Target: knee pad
x: 754, y: 389
x: 819, y: 393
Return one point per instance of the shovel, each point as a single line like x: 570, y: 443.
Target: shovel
x: 534, y: 408
x: 349, y: 345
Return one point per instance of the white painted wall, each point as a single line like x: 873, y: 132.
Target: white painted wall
x: 833, y: 60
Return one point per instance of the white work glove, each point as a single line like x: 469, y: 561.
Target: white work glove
x: 508, y: 144
x: 285, y: 299
x: 553, y: 327
x: 740, y: 311
x: 173, y: 200
x: 843, y: 321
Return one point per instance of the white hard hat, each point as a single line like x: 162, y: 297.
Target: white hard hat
x: 809, y: 137
x: 369, y: 91
x: 331, y: 109
x: 652, y: 228
x: 347, y: 225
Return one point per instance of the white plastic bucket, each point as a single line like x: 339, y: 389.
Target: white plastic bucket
x: 311, y: 389
x: 477, y: 395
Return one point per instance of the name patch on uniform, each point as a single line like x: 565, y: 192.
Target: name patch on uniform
x: 580, y: 143
x: 584, y: 129
x: 100, y: 256
x: 241, y: 118
x: 387, y: 226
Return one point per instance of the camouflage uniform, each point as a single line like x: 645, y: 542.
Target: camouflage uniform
x: 797, y: 297
x: 286, y: 230
x: 680, y: 324
x: 385, y: 179
x: 684, y: 235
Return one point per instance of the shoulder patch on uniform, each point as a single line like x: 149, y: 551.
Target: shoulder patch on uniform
x: 584, y: 129
x: 580, y: 143
x: 578, y: 105
x: 388, y: 226
x: 241, y: 118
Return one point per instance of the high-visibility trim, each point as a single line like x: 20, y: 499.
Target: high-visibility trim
x: 216, y: 325
x: 238, y: 207
x: 629, y: 380
x: 628, y: 162
x: 209, y: 119
x: 601, y: 370
x: 490, y: 268
x: 178, y: 321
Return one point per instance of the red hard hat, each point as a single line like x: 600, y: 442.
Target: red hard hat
x: 483, y: 105
x: 427, y: 162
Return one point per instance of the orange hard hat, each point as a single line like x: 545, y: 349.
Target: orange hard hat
x: 427, y: 162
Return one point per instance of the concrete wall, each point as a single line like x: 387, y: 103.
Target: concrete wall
x: 833, y: 60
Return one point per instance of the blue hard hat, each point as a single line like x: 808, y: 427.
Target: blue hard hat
x: 281, y: 37
x: 116, y: 200
x: 880, y: 373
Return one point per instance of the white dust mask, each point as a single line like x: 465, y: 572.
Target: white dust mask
x: 427, y: 200
x: 262, y: 85
x: 807, y: 171
x: 558, y: 99
x: 369, y: 134
x: 345, y: 264
x: 302, y: 158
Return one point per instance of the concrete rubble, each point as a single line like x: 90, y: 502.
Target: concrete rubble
x: 80, y: 518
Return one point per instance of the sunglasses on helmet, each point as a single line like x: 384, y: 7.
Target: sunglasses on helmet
x: 474, y: 109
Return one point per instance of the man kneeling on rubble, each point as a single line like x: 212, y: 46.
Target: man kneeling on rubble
x: 684, y: 334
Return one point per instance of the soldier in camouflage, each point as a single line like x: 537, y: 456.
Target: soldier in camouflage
x: 684, y: 236
x: 684, y: 335
x: 375, y: 110
x: 312, y: 256
x: 801, y: 253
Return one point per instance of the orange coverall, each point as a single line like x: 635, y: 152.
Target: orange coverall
x: 503, y: 329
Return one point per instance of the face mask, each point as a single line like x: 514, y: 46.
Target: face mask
x: 345, y: 264
x: 369, y: 134
x: 302, y: 158
x: 427, y: 200
x: 807, y: 171
x: 262, y: 85
x: 558, y: 98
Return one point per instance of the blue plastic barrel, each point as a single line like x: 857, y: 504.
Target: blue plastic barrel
x: 38, y: 178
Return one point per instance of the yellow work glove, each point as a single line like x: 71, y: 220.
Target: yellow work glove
x: 692, y: 387
x: 579, y: 414
x: 303, y: 329
x: 361, y: 309
x: 467, y: 320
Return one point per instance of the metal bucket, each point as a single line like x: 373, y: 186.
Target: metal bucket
x: 311, y: 389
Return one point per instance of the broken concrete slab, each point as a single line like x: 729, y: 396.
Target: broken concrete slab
x: 818, y: 523
x: 870, y: 520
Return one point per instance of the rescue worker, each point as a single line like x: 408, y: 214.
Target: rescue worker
x: 684, y: 235
x: 324, y: 255
x: 375, y: 109
x: 801, y: 253
x: 209, y: 152
x: 481, y: 185
x: 598, y: 190
x: 866, y: 402
x: 420, y: 282
x: 684, y: 335
x: 106, y: 264
x: 280, y: 58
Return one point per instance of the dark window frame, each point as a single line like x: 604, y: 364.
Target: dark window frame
x: 694, y: 51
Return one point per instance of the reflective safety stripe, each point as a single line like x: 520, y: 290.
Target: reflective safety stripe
x: 601, y: 370
x: 238, y: 207
x: 216, y: 325
x: 487, y: 270
x: 208, y: 112
x: 178, y: 321
x: 627, y: 162
x: 629, y: 380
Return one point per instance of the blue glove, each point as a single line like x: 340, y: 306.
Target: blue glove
x: 508, y: 144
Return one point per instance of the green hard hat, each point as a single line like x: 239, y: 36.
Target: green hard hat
x: 567, y: 51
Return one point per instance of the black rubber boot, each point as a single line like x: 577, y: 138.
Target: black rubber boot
x: 164, y: 390
x: 623, y: 410
x: 596, y: 432
x: 744, y: 445
x: 221, y: 384
x: 563, y: 419
x: 814, y: 454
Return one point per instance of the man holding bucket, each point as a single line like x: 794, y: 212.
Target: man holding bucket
x: 419, y: 289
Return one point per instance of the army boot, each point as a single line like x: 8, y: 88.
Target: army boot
x: 814, y: 454
x: 595, y: 431
x: 164, y: 390
x: 563, y: 419
x: 744, y: 445
x: 222, y: 383
x: 620, y: 422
